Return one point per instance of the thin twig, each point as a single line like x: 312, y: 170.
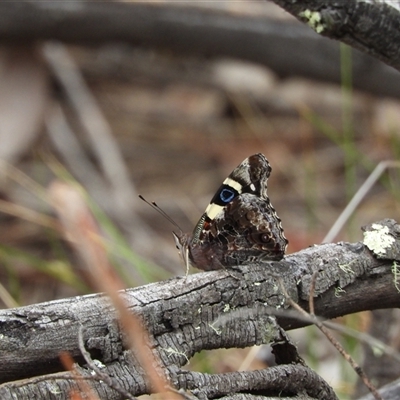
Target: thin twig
x: 358, y: 197
x: 28, y: 214
x: 360, y: 372
x: 68, y: 363
x: 64, y: 139
x: 24, y: 180
x: 95, y: 126
x: 79, y: 223
x: 99, y: 375
x: 6, y: 297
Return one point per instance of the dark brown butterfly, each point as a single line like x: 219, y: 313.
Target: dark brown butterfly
x: 239, y: 225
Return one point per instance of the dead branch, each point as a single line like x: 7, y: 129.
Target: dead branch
x: 372, y: 27
x: 206, y: 311
x: 205, y: 32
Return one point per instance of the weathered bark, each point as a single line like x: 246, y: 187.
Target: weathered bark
x: 372, y: 27
x: 287, y: 48
x: 205, y: 311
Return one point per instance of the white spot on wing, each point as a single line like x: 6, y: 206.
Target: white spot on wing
x: 232, y: 183
x: 213, y: 210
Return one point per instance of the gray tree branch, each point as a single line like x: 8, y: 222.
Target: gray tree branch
x: 205, y: 311
x: 287, y: 48
x: 372, y: 27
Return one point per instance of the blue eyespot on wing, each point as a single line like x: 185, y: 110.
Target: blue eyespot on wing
x: 224, y: 195
x: 227, y: 195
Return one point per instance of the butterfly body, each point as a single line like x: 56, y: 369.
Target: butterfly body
x: 239, y: 225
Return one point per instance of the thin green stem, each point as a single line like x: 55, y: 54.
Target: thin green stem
x: 350, y: 153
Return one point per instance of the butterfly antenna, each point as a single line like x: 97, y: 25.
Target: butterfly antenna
x: 156, y: 207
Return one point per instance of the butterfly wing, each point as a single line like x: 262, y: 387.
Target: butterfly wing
x: 250, y: 230
x: 239, y: 225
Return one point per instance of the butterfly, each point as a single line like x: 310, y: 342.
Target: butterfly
x: 239, y: 225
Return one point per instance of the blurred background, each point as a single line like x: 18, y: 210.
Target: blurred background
x: 123, y: 120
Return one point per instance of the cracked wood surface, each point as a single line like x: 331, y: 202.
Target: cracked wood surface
x: 372, y: 27
x: 207, y: 310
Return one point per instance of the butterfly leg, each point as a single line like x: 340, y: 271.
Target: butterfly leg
x: 187, y: 268
x: 231, y: 275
